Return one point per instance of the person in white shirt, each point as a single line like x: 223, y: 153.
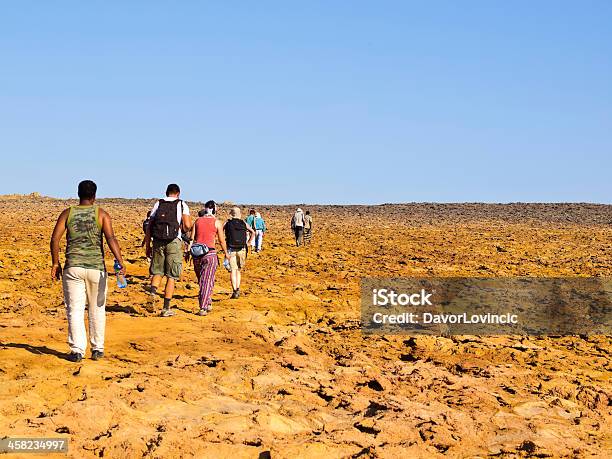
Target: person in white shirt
x: 169, y: 218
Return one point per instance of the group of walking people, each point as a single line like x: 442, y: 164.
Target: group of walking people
x: 301, y: 224
x: 255, y: 221
x: 171, y: 236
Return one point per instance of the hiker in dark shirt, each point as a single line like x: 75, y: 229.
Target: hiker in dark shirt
x: 236, y: 232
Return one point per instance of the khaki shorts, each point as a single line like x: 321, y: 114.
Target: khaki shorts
x: 237, y: 259
x: 167, y: 259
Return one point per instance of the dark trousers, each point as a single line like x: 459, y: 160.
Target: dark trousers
x: 299, y: 235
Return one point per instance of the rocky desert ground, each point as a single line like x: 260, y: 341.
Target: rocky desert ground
x: 285, y: 371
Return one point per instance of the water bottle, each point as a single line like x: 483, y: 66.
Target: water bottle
x: 226, y: 264
x: 121, y: 280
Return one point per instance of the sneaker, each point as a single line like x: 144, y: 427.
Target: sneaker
x: 168, y: 313
x: 97, y: 355
x: 202, y: 312
x: 236, y: 294
x: 75, y: 357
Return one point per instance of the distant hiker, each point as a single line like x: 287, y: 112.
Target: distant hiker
x: 169, y: 217
x: 145, y: 225
x: 84, y: 274
x: 250, y: 221
x: 236, y: 231
x: 307, y: 227
x: 205, y: 262
x: 297, y: 225
x: 260, y: 229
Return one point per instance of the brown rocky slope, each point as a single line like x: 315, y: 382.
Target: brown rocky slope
x: 285, y: 368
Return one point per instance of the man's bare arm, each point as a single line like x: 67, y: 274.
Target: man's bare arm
x: 111, y: 239
x: 221, y: 236
x: 187, y: 224
x: 252, y: 231
x: 58, y: 232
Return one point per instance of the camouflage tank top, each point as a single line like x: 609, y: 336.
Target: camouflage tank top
x: 84, y: 238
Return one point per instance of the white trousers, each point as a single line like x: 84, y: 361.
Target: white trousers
x: 85, y: 286
x: 258, y: 239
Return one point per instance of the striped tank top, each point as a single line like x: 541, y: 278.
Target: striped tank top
x: 84, y: 238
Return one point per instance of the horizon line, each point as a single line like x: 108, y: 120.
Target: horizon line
x: 229, y: 202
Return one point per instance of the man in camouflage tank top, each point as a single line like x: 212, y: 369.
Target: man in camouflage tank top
x: 84, y: 274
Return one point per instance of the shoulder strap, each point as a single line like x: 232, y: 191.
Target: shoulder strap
x: 180, y: 215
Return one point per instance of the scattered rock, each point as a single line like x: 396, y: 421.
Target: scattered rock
x: 530, y: 409
x: 527, y: 446
x: 374, y: 408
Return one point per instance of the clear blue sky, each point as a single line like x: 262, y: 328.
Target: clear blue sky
x: 310, y: 101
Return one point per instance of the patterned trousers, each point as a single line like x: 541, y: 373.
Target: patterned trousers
x: 205, y: 268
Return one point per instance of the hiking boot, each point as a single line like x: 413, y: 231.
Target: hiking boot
x: 97, y: 355
x: 236, y: 294
x: 75, y: 357
x: 202, y: 312
x: 167, y: 313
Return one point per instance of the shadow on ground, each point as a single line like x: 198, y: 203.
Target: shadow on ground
x: 38, y: 350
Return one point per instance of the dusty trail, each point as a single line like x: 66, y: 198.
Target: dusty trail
x: 285, y: 368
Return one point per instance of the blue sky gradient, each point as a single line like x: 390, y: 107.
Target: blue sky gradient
x: 315, y: 102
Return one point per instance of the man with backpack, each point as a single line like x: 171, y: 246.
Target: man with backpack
x: 236, y: 231
x: 169, y: 217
